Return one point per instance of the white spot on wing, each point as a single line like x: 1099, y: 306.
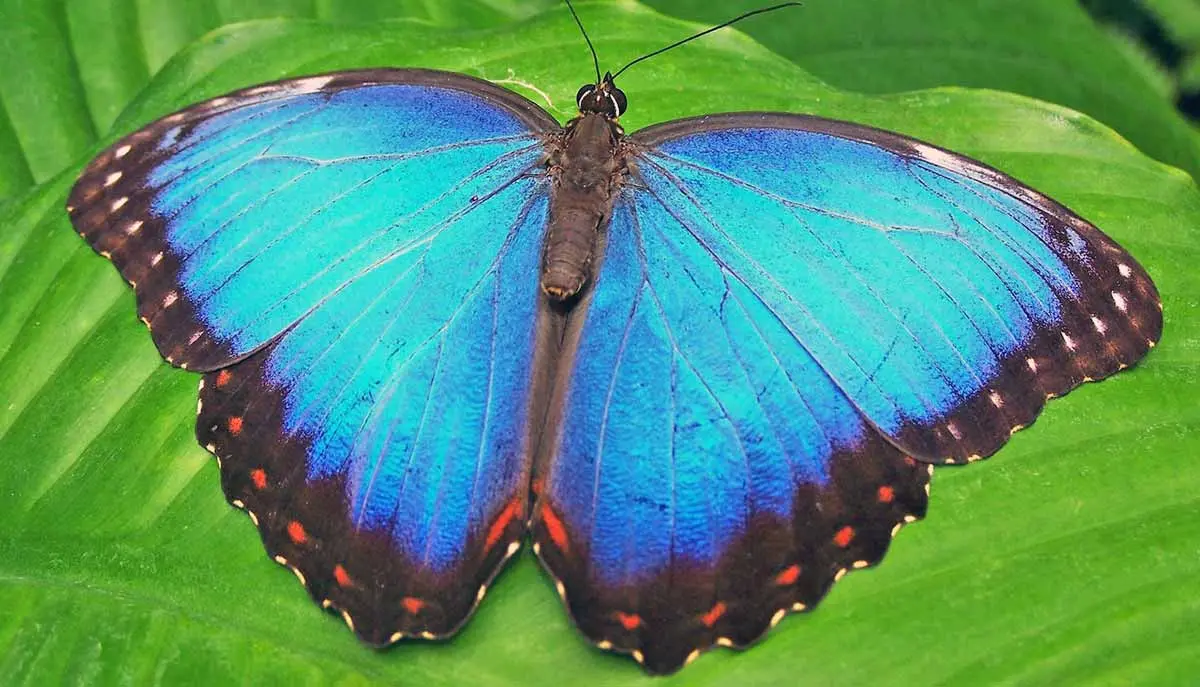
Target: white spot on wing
x: 1124, y: 269
x: 122, y: 151
x: 997, y: 399
x: 112, y: 179
x: 1032, y: 364
x: 119, y: 203
x: 170, y: 299
x: 953, y: 429
x: 311, y: 84
x: 132, y: 227
x: 156, y: 259
x: 940, y: 158
x: 1120, y: 301
x: 1068, y: 341
x: 1099, y: 324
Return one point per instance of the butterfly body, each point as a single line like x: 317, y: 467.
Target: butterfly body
x: 705, y: 367
x: 586, y: 170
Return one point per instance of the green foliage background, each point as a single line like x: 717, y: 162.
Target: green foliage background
x: 1074, y: 555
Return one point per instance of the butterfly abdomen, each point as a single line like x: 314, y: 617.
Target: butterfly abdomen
x: 586, y: 172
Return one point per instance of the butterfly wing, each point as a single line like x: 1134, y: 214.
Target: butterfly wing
x: 234, y: 218
x: 793, y: 318
x: 353, y: 258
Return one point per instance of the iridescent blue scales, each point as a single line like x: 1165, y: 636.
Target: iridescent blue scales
x: 789, y: 320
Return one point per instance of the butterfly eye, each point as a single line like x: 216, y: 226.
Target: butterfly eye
x: 617, y: 96
x: 584, y: 92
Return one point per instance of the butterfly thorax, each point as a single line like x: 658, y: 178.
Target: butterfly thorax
x: 585, y: 168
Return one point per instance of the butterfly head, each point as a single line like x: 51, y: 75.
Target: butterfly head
x: 602, y: 98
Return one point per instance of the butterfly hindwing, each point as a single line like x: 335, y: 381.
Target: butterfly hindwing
x: 793, y: 318
x: 353, y: 258
x: 708, y: 477
x: 383, y: 455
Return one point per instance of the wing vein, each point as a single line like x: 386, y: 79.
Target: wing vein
x: 816, y: 322
x: 612, y: 385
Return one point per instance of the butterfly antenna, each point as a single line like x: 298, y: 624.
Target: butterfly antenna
x: 595, y: 60
x: 705, y: 32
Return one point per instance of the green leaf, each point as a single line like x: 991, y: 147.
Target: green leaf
x: 1180, y: 19
x: 69, y: 71
x: 1046, y: 49
x: 85, y: 62
x: 1069, y: 557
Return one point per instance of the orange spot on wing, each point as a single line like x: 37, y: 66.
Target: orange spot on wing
x: 554, y: 527
x: 910, y: 461
x: 341, y: 576
x: 629, y: 621
x: 886, y: 494
x: 506, y: 516
x: 412, y: 604
x: 296, y: 532
x: 259, y: 477
x: 235, y: 425
x: 844, y: 536
x: 789, y: 575
x: 714, y: 614
x: 223, y: 378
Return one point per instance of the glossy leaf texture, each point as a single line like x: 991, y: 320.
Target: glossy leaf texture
x: 75, y: 65
x: 1071, y: 556
x: 1046, y: 49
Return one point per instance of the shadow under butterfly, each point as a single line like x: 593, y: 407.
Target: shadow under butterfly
x: 707, y: 367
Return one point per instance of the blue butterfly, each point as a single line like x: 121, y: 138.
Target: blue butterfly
x: 706, y: 368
